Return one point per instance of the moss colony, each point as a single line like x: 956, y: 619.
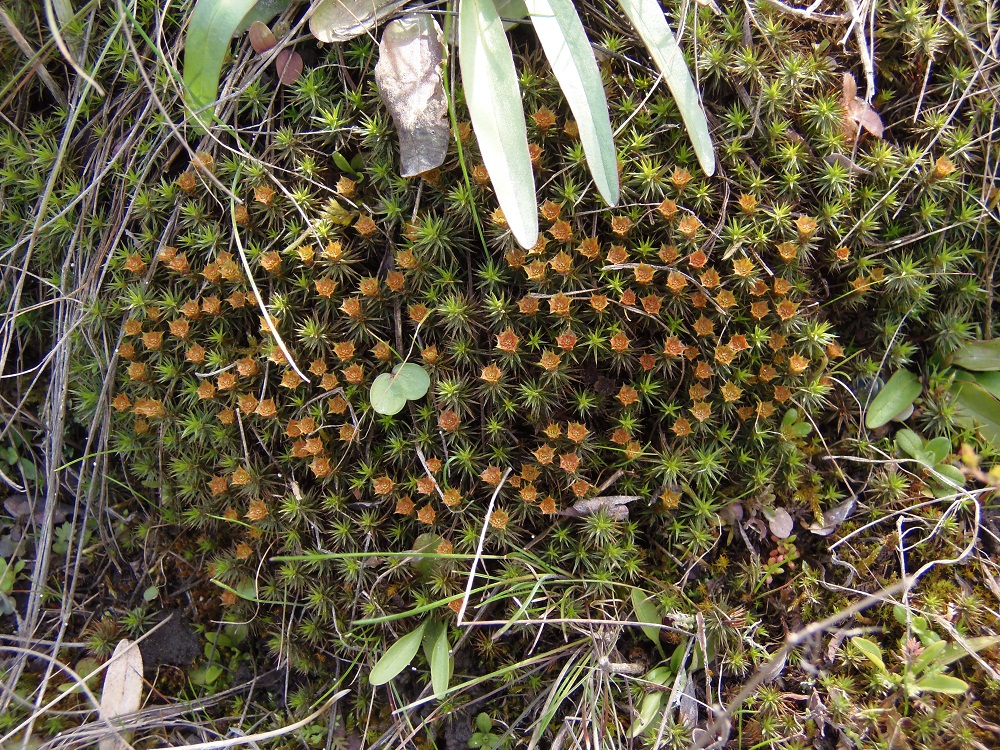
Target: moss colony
x: 703, y: 348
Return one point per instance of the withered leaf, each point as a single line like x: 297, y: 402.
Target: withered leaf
x: 859, y: 112
x: 410, y: 82
x: 340, y: 20
x: 122, y: 692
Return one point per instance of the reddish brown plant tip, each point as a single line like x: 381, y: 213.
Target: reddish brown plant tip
x: 628, y: 395
x: 545, y: 455
x: 544, y: 119
x: 668, y: 210
x: 617, y: 255
x: 383, y: 485
x: 549, y: 210
x: 528, y: 305
x: 492, y: 475
x: 451, y: 497
x: 448, y: 421
x: 499, y: 519
x: 562, y: 263
x: 404, y: 506
x: 688, y: 227
x: 365, y: 226
x: 289, y: 66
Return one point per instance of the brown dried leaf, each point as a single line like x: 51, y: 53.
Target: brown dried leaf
x: 289, y: 66
x: 261, y: 38
x: 410, y: 82
x: 122, y: 691
x: 859, y: 112
x: 340, y: 20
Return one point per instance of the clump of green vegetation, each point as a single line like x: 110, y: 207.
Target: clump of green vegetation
x: 655, y: 415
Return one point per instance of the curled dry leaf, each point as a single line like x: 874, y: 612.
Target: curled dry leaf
x: 616, y: 505
x: 410, y: 82
x: 780, y: 523
x: 859, y: 112
x: 122, y: 692
x: 340, y: 20
x: 289, y: 66
x: 261, y: 38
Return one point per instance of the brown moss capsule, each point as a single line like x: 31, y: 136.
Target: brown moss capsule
x: 680, y: 178
x: 676, y: 282
x: 291, y: 380
x: 599, y: 302
x: 698, y: 392
x: 617, y: 255
x: 121, y: 403
x: 703, y: 326
x: 218, y: 485
x: 782, y: 393
x: 529, y: 493
x: 647, y: 362
x: 528, y: 305
x: 787, y: 309
x: 187, y: 182
x: 369, y: 286
x: 797, y: 364
x: 562, y: 263
x: 703, y: 370
x: 569, y: 462
x: 382, y: 352
x: 725, y: 299
x: 448, y: 421
x: 211, y: 306
x: 590, y: 248
x: 759, y: 310
x: 571, y: 129
x: 535, y: 153
x: 480, y: 175
x: 748, y: 204
x: 355, y: 374
x: 701, y: 411
x: 515, y: 258
x: 652, y: 303
x: 766, y: 373
x: 337, y: 405
x: 395, y: 281
x: 627, y: 395
x: 240, y: 215
x: 365, y: 226
x: 134, y: 263
x: 724, y: 355
x: 545, y: 455
x: 212, y: 273
x: 353, y: 308
x: 788, y: 251
x: 806, y: 227
x: 738, y: 342
x: 673, y: 347
x: 430, y: 354
x: 560, y: 304
x: 553, y: 431
x: 620, y: 342
x: 348, y: 432
x: 580, y: 487
x: 765, y: 409
x: 688, y: 227
x: 549, y: 361
x: 451, y: 497
x: 643, y: 273
x: 544, y: 119
x: 267, y: 408
x: 628, y: 298
x: 549, y: 210
x: 236, y: 300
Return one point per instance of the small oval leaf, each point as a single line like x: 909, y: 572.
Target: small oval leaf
x: 898, y: 394
x: 647, y: 614
x: 398, y: 657
x: 942, y: 683
x: 869, y: 649
x: 261, y: 38
x: 412, y: 380
x: 210, y: 29
x: 289, y: 66
x: 385, y: 397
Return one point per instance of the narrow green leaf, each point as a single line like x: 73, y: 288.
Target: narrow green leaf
x: 929, y: 656
x: 956, y: 651
x: 950, y: 473
x: 494, y: 100
x: 979, y: 356
x: 572, y: 59
x: 898, y: 394
x: 440, y: 660
x: 869, y: 649
x: 942, y: 683
x: 646, y: 611
x: 398, y: 657
x: 648, y: 19
x: 977, y: 407
x: 210, y: 29
x: 648, y: 710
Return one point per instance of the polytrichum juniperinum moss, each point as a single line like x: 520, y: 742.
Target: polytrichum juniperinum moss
x: 651, y: 350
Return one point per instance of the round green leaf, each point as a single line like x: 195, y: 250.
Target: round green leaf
x: 412, y: 380
x: 386, y: 396
x: 897, y: 395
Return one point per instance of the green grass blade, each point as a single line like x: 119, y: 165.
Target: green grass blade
x: 648, y: 19
x: 494, y: 100
x: 572, y: 59
x: 212, y: 25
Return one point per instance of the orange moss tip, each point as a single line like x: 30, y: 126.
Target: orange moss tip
x: 599, y: 302
x: 451, y: 497
x: 427, y: 515
x: 267, y: 409
x: 681, y: 427
x: 528, y: 305
x: 492, y: 475
x: 617, y: 255
x: 365, y: 226
x: 627, y: 395
x: 383, y: 485
x: 257, y: 511
x: 549, y: 210
x: 448, y: 421
x: 499, y: 519
x: 544, y: 119
x: 680, y: 178
x: 348, y: 432
x: 668, y: 210
x: 688, y: 227
x: 404, y: 506
x: 426, y: 485
x: 206, y: 390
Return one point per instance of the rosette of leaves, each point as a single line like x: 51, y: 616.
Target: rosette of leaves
x: 490, y: 79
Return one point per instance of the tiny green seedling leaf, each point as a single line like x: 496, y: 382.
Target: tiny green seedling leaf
x: 390, y: 391
x: 869, y: 649
x: 647, y: 613
x: 398, y: 657
x: 897, y: 396
x: 979, y: 356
